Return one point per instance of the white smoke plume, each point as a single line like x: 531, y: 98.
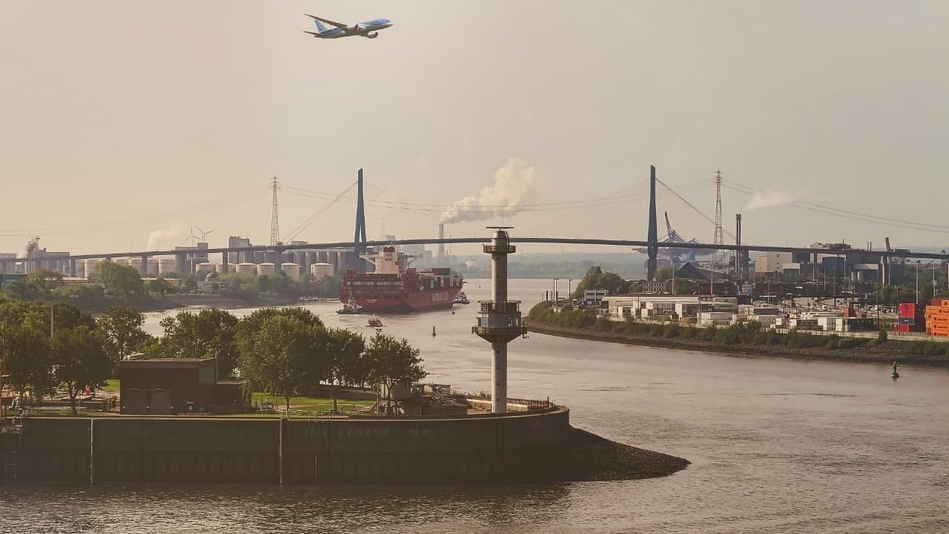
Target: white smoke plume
x: 515, y: 185
x: 163, y: 238
x: 773, y: 197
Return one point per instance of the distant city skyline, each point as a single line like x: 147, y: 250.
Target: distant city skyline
x: 130, y: 124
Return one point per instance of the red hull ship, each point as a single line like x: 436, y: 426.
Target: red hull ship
x: 396, y: 288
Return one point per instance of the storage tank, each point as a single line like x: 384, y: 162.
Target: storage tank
x: 220, y: 268
x: 321, y: 270
x: 292, y: 270
x: 204, y: 267
x: 135, y: 263
x: 247, y: 268
x: 166, y: 266
x: 265, y: 268
x: 151, y: 267
x: 89, y: 267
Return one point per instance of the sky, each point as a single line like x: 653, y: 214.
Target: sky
x: 130, y: 124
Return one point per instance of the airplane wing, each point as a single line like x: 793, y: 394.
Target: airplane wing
x: 312, y: 33
x: 327, y: 21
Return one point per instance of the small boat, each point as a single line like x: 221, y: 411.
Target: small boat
x: 374, y: 322
x: 462, y: 298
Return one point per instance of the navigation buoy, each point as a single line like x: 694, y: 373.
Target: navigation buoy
x: 895, y: 374
x: 433, y: 331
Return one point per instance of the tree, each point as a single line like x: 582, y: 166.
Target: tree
x: 27, y: 357
x: 280, y: 358
x: 45, y: 280
x: 206, y: 334
x: 80, y: 360
x: 347, y: 360
x: 158, y: 285
x: 392, y: 362
x: 119, y: 280
x: 599, y: 280
x: 122, y: 330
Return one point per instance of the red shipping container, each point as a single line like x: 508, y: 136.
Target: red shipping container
x: 908, y: 309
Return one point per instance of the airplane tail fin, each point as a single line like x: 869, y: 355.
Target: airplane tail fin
x: 319, y: 26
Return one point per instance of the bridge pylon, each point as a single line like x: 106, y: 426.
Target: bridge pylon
x: 652, y: 240
x: 359, y: 239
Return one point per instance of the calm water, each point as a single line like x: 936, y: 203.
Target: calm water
x: 776, y: 446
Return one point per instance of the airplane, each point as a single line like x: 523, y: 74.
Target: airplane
x: 368, y: 29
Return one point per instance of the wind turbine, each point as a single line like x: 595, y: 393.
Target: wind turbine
x: 192, y: 237
x: 203, y: 234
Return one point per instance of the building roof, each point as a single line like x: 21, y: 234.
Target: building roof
x: 165, y: 362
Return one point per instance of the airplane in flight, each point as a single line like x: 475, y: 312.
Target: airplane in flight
x: 369, y: 29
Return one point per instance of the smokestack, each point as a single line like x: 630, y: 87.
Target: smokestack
x: 441, y: 245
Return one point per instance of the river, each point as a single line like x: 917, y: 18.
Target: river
x: 776, y: 446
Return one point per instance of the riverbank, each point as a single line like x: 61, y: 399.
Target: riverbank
x: 178, y: 302
x: 885, y: 353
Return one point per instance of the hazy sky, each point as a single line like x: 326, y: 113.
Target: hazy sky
x: 124, y: 120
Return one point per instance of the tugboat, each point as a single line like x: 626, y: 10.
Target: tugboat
x: 374, y: 322
x: 462, y: 298
x: 350, y: 307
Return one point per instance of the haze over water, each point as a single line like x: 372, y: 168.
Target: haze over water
x: 776, y: 446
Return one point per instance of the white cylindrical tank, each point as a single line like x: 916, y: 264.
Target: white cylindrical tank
x: 265, y: 268
x: 247, y: 268
x: 135, y: 263
x: 165, y: 266
x: 292, y: 270
x: 204, y: 268
x: 321, y: 270
x: 220, y: 268
x: 89, y: 267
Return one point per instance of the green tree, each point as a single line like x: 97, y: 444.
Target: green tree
x: 123, y: 334
x: 119, y: 280
x: 206, y: 334
x: 80, y: 360
x: 282, y: 358
x: 595, y: 278
x: 159, y: 286
x: 27, y: 359
x: 392, y: 362
x: 347, y: 360
x: 45, y: 280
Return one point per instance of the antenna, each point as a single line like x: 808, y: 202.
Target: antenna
x: 274, y: 225
x: 719, y: 233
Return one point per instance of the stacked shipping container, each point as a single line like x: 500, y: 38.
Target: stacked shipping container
x: 937, y: 318
x: 911, y: 318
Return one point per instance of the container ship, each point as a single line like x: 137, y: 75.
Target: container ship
x: 395, y: 287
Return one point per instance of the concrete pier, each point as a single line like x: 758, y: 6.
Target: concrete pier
x: 292, y: 451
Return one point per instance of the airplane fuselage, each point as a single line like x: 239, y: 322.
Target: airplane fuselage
x: 367, y: 29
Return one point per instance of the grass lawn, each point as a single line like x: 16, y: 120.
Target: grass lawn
x: 111, y: 386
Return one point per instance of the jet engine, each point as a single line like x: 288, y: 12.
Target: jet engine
x: 372, y: 35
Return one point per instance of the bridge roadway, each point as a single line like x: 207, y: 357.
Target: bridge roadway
x: 877, y: 255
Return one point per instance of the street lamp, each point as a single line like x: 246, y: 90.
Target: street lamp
x: 917, y: 282
x: 555, y: 291
x: 569, y: 291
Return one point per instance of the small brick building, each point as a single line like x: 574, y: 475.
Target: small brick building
x: 176, y: 386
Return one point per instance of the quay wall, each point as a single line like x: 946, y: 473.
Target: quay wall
x: 394, y: 450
